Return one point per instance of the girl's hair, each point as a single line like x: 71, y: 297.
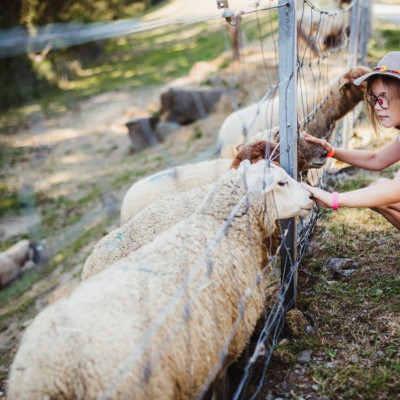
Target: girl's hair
x: 393, y: 85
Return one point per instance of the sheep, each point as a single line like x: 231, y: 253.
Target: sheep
x: 322, y: 31
x: 15, y: 260
x: 162, y: 321
x: 307, y: 156
x: 169, y: 181
x: 186, y: 177
x: 341, y: 99
x: 160, y: 215
x: 336, y: 99
x: 143, y: 228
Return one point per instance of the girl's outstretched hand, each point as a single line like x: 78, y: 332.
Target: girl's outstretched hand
x: 323, y: 198
x: 324, y: 143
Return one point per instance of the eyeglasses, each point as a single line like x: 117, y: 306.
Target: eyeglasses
x: 383, y: 102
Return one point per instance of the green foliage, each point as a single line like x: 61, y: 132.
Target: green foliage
x: 20, y: 79
x: 19, y: 82
x: 35, y: 12
x: 386, y: 39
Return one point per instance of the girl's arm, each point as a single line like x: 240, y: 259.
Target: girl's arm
x: 371, y: 160
x: 379, y: 194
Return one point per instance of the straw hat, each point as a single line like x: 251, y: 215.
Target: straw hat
x: 388, y: 66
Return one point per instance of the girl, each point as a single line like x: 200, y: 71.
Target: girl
x: 383, y: 109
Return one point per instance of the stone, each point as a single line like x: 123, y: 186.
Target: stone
x: 164, y: 129
x: 185, y: 106
x: 141, y: 132
x: 304, y: 357
x: 340, y: 267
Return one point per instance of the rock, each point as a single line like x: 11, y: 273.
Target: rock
x: 164, y: 129
x: 142, y: 132
x: 340, y: 267
x: 185, y: 106
x: 304, y: 357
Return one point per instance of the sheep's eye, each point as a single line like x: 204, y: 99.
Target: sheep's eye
x: 282, y: 183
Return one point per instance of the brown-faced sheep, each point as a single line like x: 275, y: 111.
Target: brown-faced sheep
x: 342, y: 97
x: 307, y: 156
x: 185, y: 177
x: 333, y: 101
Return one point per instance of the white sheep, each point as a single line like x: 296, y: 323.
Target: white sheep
x: 170, y: 181
x: 162, y: 321
x: 143, y: 228
x: 15, y: 260
x: 333, y: 101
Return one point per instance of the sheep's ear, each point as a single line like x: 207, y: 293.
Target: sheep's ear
x: 239, y: 147
x: 268, y: 182
x: 257, y: 183
x: 344, y: 83
x: 256, y: 177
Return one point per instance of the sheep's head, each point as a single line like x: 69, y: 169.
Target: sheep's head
x: 309, y: 155
x: 255, y: 152
x: 289, y: 197
x: 347, y: 86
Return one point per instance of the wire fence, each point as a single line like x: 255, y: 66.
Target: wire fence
x: 276, y: 69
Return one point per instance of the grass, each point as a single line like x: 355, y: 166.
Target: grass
x: 138, y: 60
x: 356, y: 320
x: 386, y: 40
x: 355, y: 337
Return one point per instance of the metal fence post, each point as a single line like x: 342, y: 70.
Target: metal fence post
x: 365, y: 16
x: 348, y: 120
x: 287, y: 72
x: 354, y: 33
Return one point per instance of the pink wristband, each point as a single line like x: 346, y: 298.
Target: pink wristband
x: 335, y: 200
x: 331, y: 153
